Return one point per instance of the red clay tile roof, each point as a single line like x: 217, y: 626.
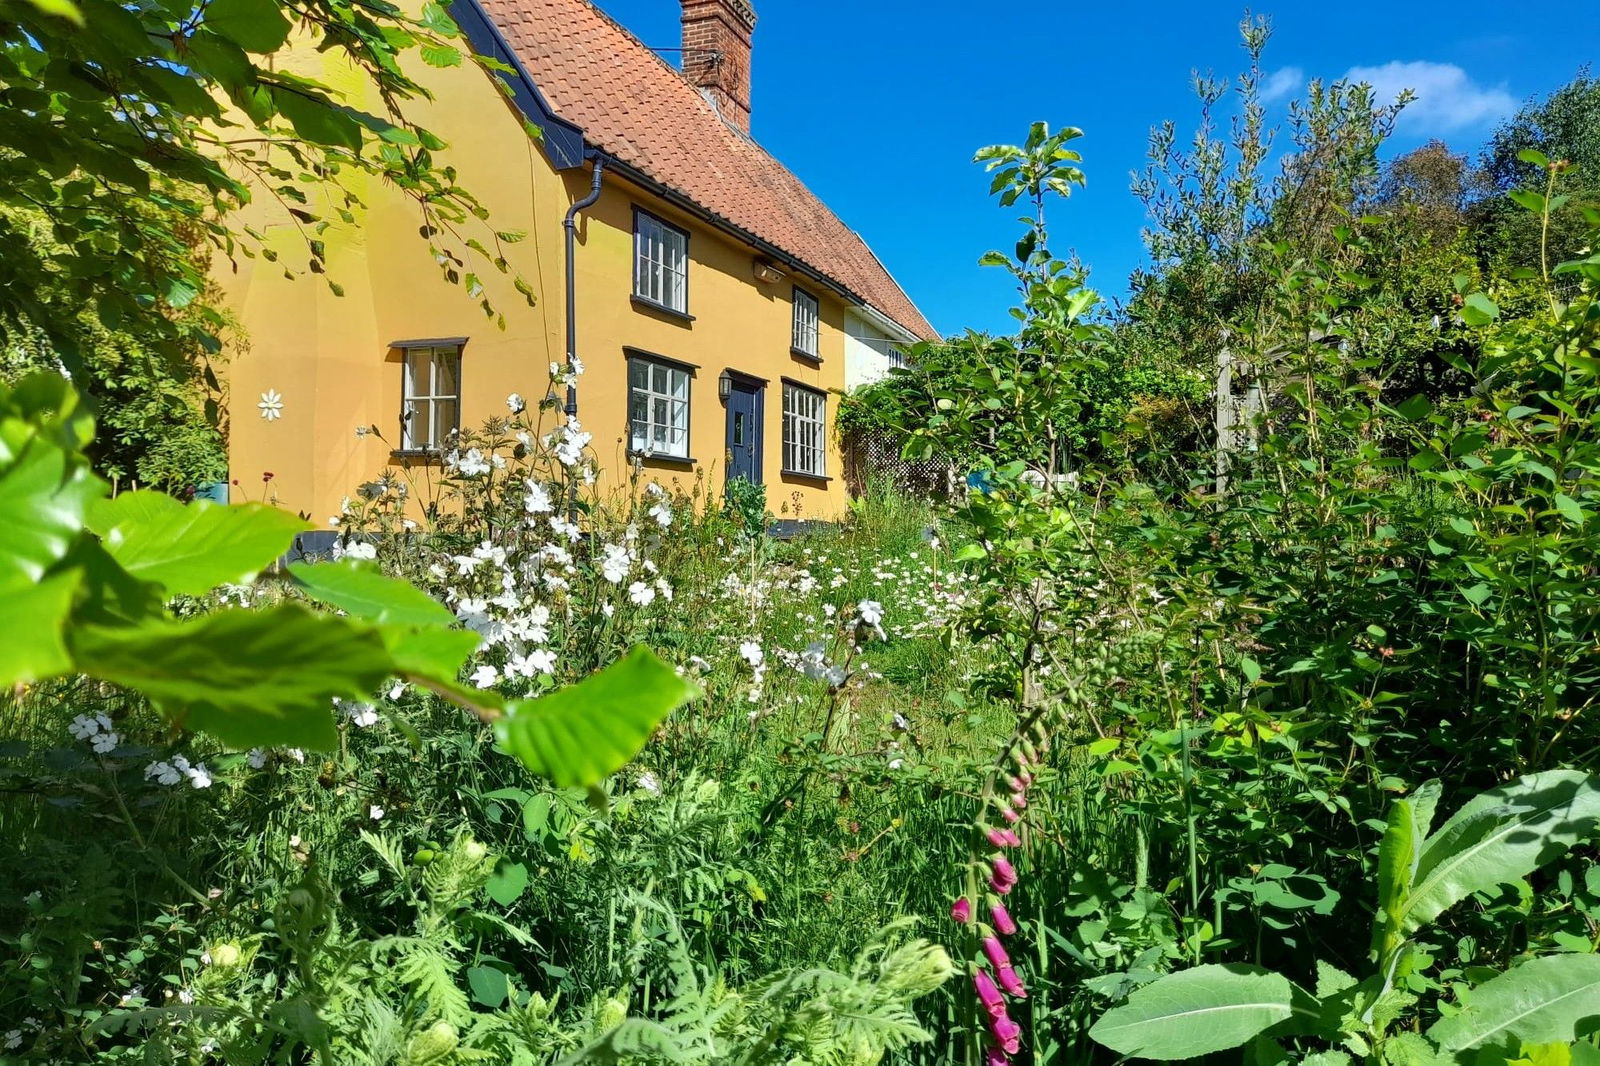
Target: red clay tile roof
x: 635, y: 107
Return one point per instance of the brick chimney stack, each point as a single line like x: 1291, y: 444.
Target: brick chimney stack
x: 716, y: 54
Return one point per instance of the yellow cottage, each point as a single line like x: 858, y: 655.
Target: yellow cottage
x: 712, y: 299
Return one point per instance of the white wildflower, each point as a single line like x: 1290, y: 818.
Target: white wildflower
x: 376, y: 812
x: 164, y: 773
x: 641, y: 594
x: 485, y: 676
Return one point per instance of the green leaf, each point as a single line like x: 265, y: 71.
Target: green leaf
x: 507, y: 883
x: 44, y: 497
x: 254, y: 25
x: 490, y: 986
x: 32, y: 619
x: 1415, y: 409
x: 362, y: 590
x: 1399, y: 852
x: 437, y: 655
x: 1501, y: 836
x: 249, y: 677
x: 580, y: 735
x: 1197, y: 1012
x: 318, y: 121
x: 65, y: 9
x: 1556, y: 998
x: 190, y: 549
x: 1568, y: 508
x: 1479, y: 310
x: 441, y: 55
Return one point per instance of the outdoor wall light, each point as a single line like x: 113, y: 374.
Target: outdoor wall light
x: 724, y: 386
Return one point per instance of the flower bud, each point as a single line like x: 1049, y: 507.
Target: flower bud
x: 961, y: 911
x: 1002, y: 919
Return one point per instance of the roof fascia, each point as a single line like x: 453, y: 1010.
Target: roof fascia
x: 895, y: 330
x: 562, y: 141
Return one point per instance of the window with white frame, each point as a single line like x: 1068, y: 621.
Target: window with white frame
x: 431, y: 397
x: 805, y: 323
x: 658, y: 407
x: 660, y: 262
x: 805, y: 427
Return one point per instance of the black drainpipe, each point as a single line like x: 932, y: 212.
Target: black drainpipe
x: 571, y: 224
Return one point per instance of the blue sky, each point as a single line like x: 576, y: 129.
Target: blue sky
x: 878, y: 105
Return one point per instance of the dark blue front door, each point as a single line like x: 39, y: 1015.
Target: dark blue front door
x: 744, y: 431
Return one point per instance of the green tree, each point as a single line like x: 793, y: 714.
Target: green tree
x: 130, y: 131
x: 1565, y: 128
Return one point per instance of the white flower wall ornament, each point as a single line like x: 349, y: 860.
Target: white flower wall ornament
x: 271, y: 405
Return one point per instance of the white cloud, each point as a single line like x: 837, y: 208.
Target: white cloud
x: 1282, y: 84
x: 1447, y: 98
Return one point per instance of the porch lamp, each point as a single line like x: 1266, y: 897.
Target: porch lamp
x: 724, y: 386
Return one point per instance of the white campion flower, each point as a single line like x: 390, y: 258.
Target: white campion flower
x: 257, y: 758
x: 615, y: 563
x: 397, y: 690
x: 542, y: 660
x: 296, y: 754
x: 871, y: 612
x: 537, y: 501
x: 473, y: 464
x: 13, y: 1039
x: 376, y: 813
x: 662, y: 513
x: 648, y: 782
x: 751, y: 653
x: 485, y: 675
x: 103, y: 743
x: 199, y: 776
x: 186, y: 996
x: 516, y: 403
x: 163, y: 773
x: 362, y: 715
x: 83, y: 727
x: 641, y: 594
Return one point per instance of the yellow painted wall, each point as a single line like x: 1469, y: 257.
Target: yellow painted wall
x: 329, y: 356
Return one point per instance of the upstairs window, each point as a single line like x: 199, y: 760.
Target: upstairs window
x: 805, y: 323
x: 804, y: 430
x: 658, y: 407
x: 660, y: 263
x: 430, y: 397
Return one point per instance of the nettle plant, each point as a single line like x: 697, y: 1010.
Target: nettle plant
x: 1497, y: 838
x: 90, y: 585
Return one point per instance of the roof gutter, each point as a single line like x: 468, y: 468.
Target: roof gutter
x: 895, y: 330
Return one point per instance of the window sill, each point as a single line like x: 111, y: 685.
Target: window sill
x: 672, y: 460
x: 431, y: 454
x: 810, y: 357
x: 643, y: 303
x: 822, y: 478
